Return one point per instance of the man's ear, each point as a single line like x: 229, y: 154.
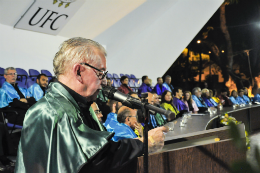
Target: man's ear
x: 77, y: 69
x: 37, y: 81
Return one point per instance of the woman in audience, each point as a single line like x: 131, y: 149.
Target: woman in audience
x: 124, y: 88
x: 167, y: 104
x: 233, y: 97
x: 192, y: 107
x: 214, y: 96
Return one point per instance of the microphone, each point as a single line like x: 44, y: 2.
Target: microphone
x: 134, y: 103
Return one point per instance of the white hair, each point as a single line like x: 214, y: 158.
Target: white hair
x: 76, y: 50
x: 9, y: 68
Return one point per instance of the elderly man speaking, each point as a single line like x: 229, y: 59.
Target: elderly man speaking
x: 60, y: 135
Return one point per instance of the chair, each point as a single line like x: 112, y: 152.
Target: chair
x: 22, y: 75
x: 109, y: 76
x: 5, y: 121
x: 21, y: 84
x: 132, y: 76
x: 121, y: 74
x: 131, y: 83
x: 137, y: 83
x: 2, y: 71
x: 47, y: 73
x: 116, y: 83
x: 30, y: 82
x: 2, y: 80
x: 128, y: 76
x: 116, y: 76
x: 33, y: 74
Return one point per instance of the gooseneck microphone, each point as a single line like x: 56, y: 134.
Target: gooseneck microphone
x: 134, y: 103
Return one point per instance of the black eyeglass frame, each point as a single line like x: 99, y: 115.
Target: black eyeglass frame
x: 104, y: 73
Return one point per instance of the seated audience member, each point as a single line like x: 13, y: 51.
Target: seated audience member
x: 240, y: 98
x: 224, y: 100
x: 213, y: 95
x: 6, y: 148
x: 102, y: 104
x: 145, y: 87
x: 233, y: 97
x: 159, y: 88
x: 167, y: 104
x: 124, y: 88
x: 156, y: 120
x: 109, y: 82
x: 196, y: 97
x: 111, y: 120
x: 208, y: 100
x: 156, y: 101
x: 177, y: 100
x: 97, y: 112
x: 167, y: 83
x: 38, y: 90
x: 127, y: 119
x: 191, y: 105
x: 257, y: 96
x: 14, y: 97
x: 245, y: 96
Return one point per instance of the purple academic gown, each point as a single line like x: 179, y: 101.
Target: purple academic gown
x: 143, y: 89
x: 180, y: 105
x: 209, y: 104
x: 158, y: 90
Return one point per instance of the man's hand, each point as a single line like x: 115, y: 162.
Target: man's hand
x: 139, y: 128
x: 156, y: 139
x: 23, y: 100
x: 114, y: 108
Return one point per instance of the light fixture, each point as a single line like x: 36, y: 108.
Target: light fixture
x: 209, y: 51
x: 222, y: 51
x: 198, y: 41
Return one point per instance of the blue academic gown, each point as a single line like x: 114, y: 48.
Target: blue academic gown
x: 111, y: 122
x: 168, y: 87
x: 123, y: 131
x: 240, y: 100
x: 198, y: 102
x: 233, y: 100
x: 158, y: 90
x: 4, y: 99
x: 246, y: 99
x: 143, y: 89
x: 180, y: 105
x: 256, y: 98
x: 35, y: 91
x: 8, y: 93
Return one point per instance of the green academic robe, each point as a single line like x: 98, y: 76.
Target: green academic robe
x: 54, y: 138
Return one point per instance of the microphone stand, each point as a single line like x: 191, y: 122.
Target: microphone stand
x: 145, y: 137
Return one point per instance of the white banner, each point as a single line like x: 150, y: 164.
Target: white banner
x: 49, y: 16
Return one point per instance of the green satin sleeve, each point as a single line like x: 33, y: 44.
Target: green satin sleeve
x: 54, y: 138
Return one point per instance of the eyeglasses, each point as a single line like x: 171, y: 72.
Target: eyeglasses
x: 12, y: 74
x: 100, y: 76
x: 98, y: 112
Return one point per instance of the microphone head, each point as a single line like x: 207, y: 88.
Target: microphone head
x: 170, y: 115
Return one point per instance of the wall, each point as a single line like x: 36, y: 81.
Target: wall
x: 26, y: 49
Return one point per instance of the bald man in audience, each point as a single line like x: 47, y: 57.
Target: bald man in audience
x: 127, y: 119
x: 14, y: 97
